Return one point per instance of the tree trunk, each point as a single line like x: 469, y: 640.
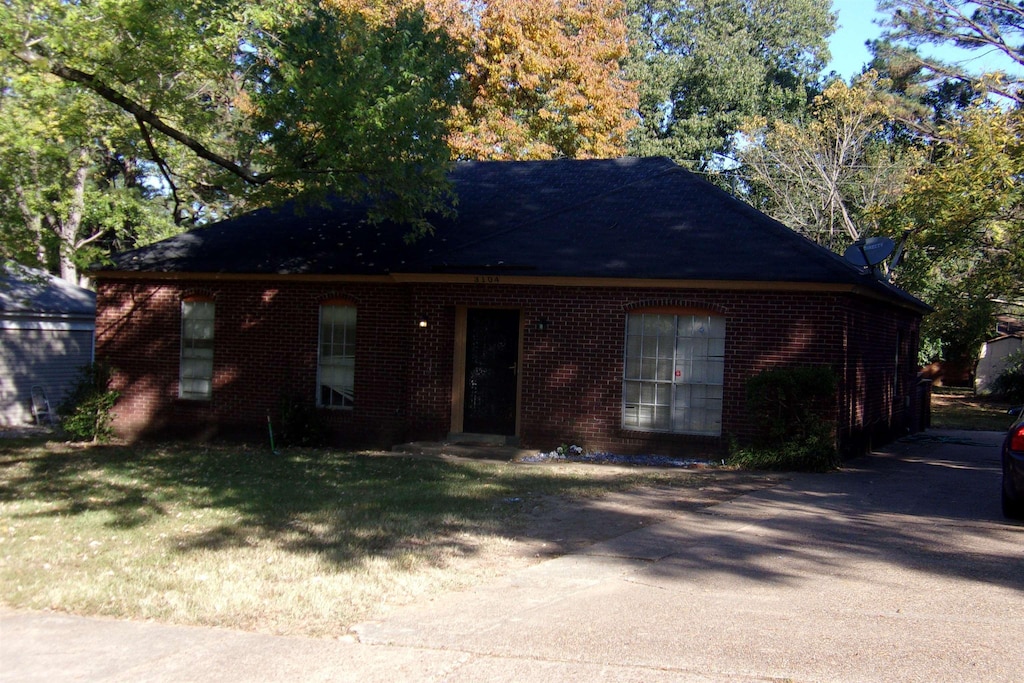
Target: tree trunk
x: 33, y: 221
x: 68, y: 227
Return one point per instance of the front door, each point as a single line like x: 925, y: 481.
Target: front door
x: 492, y: 368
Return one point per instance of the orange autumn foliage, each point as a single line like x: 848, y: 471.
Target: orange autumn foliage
x: 544, y: 81
x: 544, y: 78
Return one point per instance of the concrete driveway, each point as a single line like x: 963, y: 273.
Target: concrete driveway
x: 899, y: 568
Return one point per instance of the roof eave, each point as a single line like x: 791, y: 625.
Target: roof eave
x: 498, y: 278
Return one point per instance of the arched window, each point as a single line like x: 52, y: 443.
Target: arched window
x: 674, y: 372
x: 195, y: 380
x: 337, y: 357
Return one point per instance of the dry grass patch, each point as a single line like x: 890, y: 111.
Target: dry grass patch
x: 307, y: 542
x: 954, y: 408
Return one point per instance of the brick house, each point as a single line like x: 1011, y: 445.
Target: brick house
x: 620, y: 304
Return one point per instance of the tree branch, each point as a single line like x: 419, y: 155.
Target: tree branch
x: 141, y: 113
x: 165, y: 170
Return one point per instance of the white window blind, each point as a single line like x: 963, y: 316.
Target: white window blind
x: 196, y: 368
x: 674, y: 373
x: 337, y: 360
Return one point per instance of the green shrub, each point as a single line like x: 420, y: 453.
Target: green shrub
x: 1010, y: 384
x: 87, y: 412
x: 792, y: 408
x: 815, y: 451
x: 300, y: 424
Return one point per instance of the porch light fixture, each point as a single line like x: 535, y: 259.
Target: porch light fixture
x: 422, y: 321
x: 543, y: 324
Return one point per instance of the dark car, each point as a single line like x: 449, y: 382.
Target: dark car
x: 1013, y: 467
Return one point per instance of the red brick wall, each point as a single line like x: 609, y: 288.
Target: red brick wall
x: 880, y: 375
x: 572, y: 374
x: 266, y: 348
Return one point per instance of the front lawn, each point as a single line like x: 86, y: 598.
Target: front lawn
x: 304, y: 542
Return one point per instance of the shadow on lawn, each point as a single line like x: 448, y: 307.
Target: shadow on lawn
x: 926, y: 505
x: 74, y: 481
x: 344, y: 507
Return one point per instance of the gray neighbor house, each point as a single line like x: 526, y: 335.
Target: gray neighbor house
x: 46, y: 338
x: 620, y: 304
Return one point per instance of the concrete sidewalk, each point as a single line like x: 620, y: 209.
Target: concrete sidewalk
x: 899, y: 568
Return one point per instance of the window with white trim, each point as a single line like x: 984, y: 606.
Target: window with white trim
x: 337, y: 359
x: 195, y: 379
x: 674, y: 373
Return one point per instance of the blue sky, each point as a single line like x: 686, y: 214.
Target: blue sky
x: 854, y: 26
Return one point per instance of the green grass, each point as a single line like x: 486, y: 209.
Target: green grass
x: 954, y: 408
x: 304, y: 542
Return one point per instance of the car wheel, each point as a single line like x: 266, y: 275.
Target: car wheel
x: 1012, y: 507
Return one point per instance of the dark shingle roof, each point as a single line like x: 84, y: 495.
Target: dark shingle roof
x: 28, y: 291
x: 621, y: 218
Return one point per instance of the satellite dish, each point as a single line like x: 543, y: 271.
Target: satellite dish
x: 869, y: 252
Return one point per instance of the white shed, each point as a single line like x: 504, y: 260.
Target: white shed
x: 995, y: 353
x: 47, y: 327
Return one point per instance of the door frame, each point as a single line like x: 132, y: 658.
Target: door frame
x: 459, y: 366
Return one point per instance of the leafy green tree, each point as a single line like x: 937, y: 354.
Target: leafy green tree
x: 704, y: 66
x: 62, y: 189
x: 965, y: 214
x: 359, y: 109
x: 201, y: 110
x: 952, y: 208
x: 235, y: 104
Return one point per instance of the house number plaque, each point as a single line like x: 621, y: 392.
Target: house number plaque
x: 486, y: 280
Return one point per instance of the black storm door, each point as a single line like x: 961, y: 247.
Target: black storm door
x: 492, y: 365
